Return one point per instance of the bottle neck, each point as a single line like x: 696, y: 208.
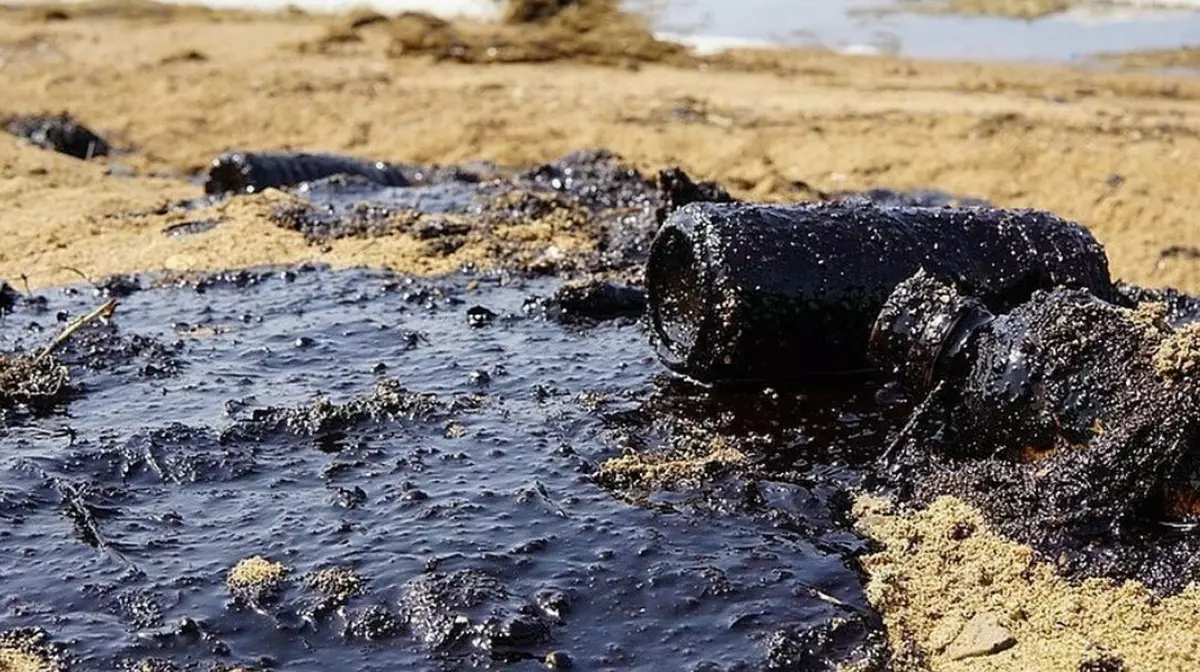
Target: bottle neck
x: 925, y: 326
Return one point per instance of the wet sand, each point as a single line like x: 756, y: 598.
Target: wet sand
x: 1117, y: 152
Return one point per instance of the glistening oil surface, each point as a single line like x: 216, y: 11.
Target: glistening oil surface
x: 123, y: 513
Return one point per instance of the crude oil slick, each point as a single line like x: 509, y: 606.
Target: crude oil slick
x: 233, y: 440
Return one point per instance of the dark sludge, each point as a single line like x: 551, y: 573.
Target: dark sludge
x: 338, y: 469
x: 1073, y: 422
x: 249, y: 172
x: 58, y: 132
x: 776, y: 293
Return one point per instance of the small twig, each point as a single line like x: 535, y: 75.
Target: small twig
x: 103, y: 312
x: 87, y: 278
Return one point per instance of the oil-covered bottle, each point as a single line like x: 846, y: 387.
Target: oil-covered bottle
x: 773, y: 293
x: 1104, y: 398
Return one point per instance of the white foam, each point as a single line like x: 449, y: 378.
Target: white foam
x: 714, y: 44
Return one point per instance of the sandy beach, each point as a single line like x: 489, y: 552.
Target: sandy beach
x: 177, y: 86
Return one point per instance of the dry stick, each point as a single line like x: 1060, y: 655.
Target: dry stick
x: 104, y: 311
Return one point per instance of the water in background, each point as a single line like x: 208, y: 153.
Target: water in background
x: 861, y: 26
x: 857, y: 26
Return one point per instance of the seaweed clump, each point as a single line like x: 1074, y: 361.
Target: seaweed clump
x: 536, y: 31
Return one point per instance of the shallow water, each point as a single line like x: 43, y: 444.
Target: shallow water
x: 857, y: 26
x: 125, y: 510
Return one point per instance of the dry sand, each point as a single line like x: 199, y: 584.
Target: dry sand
x: 942, y: 567
x: 1117, y: 152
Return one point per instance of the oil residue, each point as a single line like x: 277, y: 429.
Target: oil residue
x: 308, y: 469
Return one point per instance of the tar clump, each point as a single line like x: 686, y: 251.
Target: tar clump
x: 256, y: 581
x: 740, y: 292
x: 339, y: 583
x: 389, y: 400
x: 60, y: 133
x: 1071, y: 421
x: 598, y: 300
x: 469, y: 609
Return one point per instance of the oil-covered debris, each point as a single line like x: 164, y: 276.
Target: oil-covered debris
x: 1071, y: 421
x: 470, y: 609
x: 484, y: 460
x: 851, y: 643
x: 587, y: 210
x: 249, y: 172
x: 100, y: 347
x: 388, y: 401
x: 678, y: 189
x: 8, y: 297
x: 31, y: 650
x: 775, y: 293
x: 37, y: 383
x: 60, y: 133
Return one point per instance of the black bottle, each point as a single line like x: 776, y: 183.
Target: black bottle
x: 741, y: 292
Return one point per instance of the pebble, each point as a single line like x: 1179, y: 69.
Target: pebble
x: 981, y: 636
